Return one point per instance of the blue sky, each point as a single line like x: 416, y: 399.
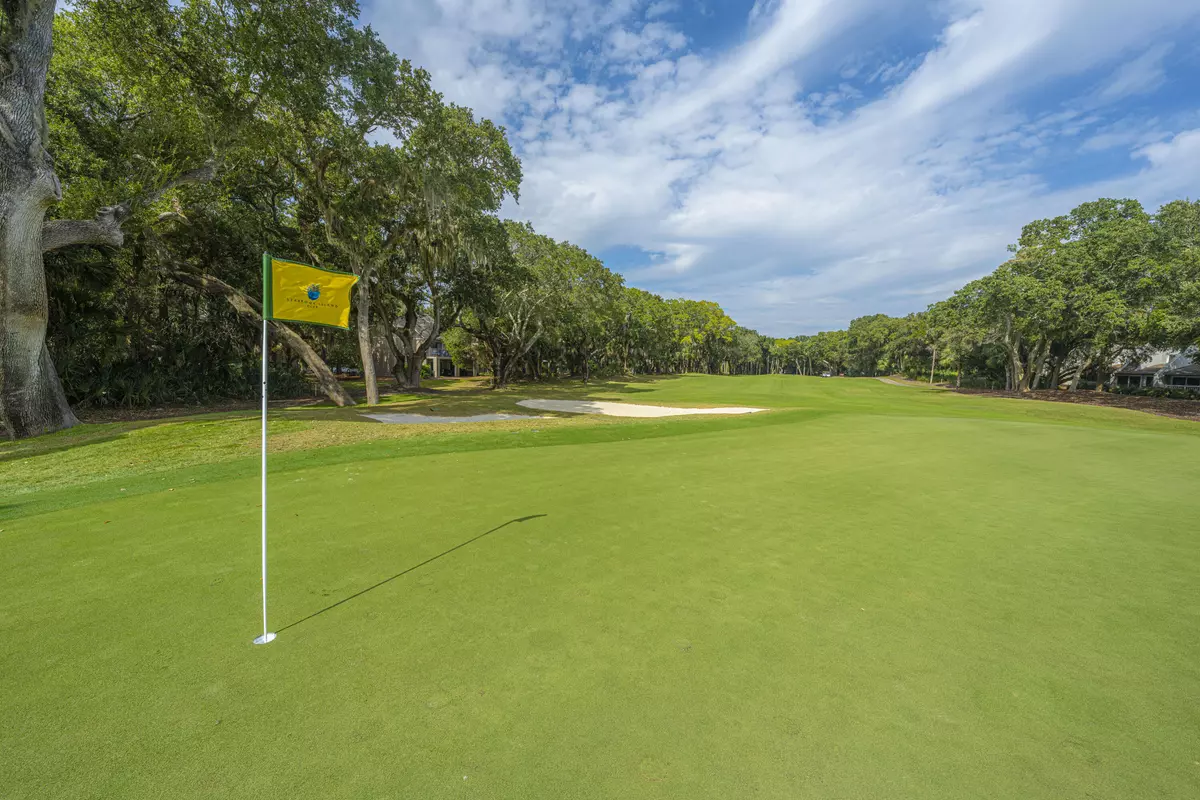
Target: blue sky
x: 804, y: 162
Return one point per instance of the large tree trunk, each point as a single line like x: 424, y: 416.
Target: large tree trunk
x: 409, y: 361
x: 398, y: 370
x: 1037, y: 365
x: 32, y: 401
x: 365, y: 351
x: 1102, y: 357
x: 411, y: 356
x: 1016, y: 368
x: 408, y: 371
x: 31, y: 397
x: 499, y: 374
x: 1028, y: 368
x: 1087, y: 363
x: 502, y: 371
x: 1055, y: 373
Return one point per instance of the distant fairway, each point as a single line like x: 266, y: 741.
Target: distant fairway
x: 871, y: 591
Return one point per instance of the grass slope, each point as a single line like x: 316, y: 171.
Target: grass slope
x: 872, y: 591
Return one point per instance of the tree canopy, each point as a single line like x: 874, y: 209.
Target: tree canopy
x: 1081, y: 292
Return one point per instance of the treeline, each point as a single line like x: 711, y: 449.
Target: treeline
x: 562, y: 312
x: 1105, y: 284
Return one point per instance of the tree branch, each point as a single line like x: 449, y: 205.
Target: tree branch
x: 105, y: 229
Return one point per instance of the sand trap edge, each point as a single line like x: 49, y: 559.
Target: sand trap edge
x: 610, y: 409
x: 398, y: 418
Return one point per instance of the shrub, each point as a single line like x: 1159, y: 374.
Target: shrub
x: 1166, y: 392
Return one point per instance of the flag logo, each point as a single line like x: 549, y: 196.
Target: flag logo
x: 314, y: 291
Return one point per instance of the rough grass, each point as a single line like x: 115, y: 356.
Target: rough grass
x: 871, y: 592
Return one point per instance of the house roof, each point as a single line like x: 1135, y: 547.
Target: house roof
x: 1129, y: 370
x: 1175, y: 363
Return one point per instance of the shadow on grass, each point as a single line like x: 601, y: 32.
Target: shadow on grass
x: 68, y: 440
x: 413, y: 568
x: 89, y: 433
x: 16, y: 452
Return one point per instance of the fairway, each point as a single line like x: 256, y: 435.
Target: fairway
x: 868, y: 591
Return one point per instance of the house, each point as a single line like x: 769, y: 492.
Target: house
x: 442, y: 365
x: 438, y: 359
x: 1163, y: 369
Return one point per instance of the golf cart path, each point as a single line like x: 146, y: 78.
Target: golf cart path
x: 610, y: 409
x: 911, y: 384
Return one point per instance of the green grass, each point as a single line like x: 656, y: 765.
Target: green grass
x: 869, y: 592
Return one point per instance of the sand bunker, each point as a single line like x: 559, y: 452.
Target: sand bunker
x: 393, y: 418
x: 625, y: 409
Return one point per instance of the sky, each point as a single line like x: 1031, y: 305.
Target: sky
x: 805, y: 162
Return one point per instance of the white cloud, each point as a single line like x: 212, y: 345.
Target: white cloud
x: 1141, y: 75
x: 654, y: 40
x: 1183, y: 150
x: 660, y: 8
x: 771, y: 178
x: 1130, y: 135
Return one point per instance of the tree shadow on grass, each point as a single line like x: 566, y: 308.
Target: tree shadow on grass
x: 70, y: 440
x: 413, y: 568
x: 90, y: 433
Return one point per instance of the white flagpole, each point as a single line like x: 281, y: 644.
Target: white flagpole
x: 266, y: 635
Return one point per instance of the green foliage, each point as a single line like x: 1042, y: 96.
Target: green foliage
x: 1175, y: 249
x: 872, y: 343
x: 1157, y: 391
x: 1102, y: 284
x: 560, y: 311
x: 123, y: 336
x: 464, y: 348
x: 286, y: 101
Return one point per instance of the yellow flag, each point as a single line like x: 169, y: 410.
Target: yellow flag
x: 304, y: 293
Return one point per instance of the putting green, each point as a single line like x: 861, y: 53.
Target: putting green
x: 869, y: 592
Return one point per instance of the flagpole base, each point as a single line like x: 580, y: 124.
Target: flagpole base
x: 266, y: 638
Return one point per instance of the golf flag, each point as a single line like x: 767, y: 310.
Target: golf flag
x: 303, y: 293
x: 297, y: 293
